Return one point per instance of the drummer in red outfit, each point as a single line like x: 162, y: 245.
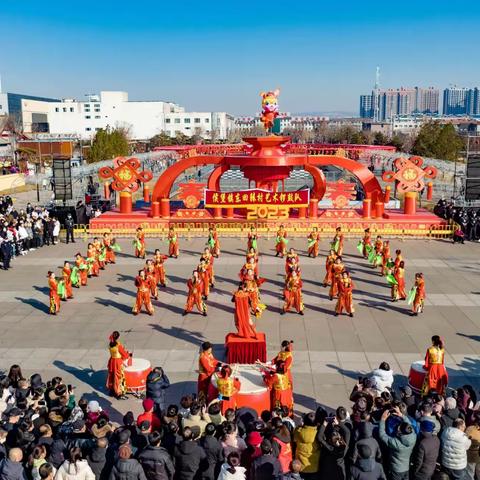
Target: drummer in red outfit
x: 282, y: 394
x: 437, y: 376
x: 228, y: 388
x: 149, y: 415
x: 207, y: 366
x: 116, y: 376
x: 285, y: 355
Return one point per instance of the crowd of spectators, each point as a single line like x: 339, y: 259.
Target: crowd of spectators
x: 24, y: 230
x: 47, y: 433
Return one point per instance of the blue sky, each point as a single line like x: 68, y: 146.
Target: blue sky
x: 216, y: 55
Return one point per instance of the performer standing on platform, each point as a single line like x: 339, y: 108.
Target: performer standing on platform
x: 213, y: 242
x: 367, y: 243
x: 82, y: 267
x: 419, y: 294
x: 92, y: 261
x: 54, y: 298
x: 158, y: 263
x: 108, y: 244
x: 67, y: 273
x: 345, y: 291
x: 228, y: 388
x: 437, y: 376
x: 293, y: 295
x: 139, y: 243
x: 285, y: 355
x: 116, y: 376
x: 337, y: 268
x: 207, y: 366
x: 143, y: 294
x: 330, y: 260
x: 281, y: 242
x: 252, y: 240
x: 398, y: 289
x: 173, y: 249
x: 313, y: 241
x: 337, y: 242
x: 151, y: 277
x: 195, y: 290
x: 243, y: 321
x: 278, y: 382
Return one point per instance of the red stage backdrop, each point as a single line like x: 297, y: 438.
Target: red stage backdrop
x: 256, y: 197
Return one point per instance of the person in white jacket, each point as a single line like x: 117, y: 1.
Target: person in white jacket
x: 455, y: 444
x: 231, y: 470
x: 75, y: 468
x: 382, y: 378
x: 56, y: 230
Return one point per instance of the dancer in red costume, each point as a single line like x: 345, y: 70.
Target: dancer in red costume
x: 398, y: 289
x: 143, y: 294
x: 253, y: 283
x: 345, y: 291
x: 92, y: 261
x: 385, y: 257
x: 329, y: 261
x: 139, y: 243
x: 227, y: 387
x: 116, y: 376
x: 252, y: 240
x: 204, y: 275
x: 337, y: 268
x: 209, y: 260
x: 100, y: 253
x: 66, y: 273
x: 285, y: 355
x: 398, y: 257
x: 281, y: 242
x: 195, y: 290
x: 437, y: 376
x: 54, y: 298
x: 207, y: 366
x: 173, y: 249
x: 158, y: 263
x: 281, y: 389
x: 108, y: 244
x: 213, y: 242
x: 151, y: 276
x: 249, y: 265
x: 243, y: 321
x: 313, y: 241
x: 292, y: 256
x: 337, y: 242
x: 367, y: 243
x: 419, y: 299
x: 293, y: 295
x: 82, y: 266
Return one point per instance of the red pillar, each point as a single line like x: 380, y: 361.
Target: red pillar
x: 125, y: 202
x: 313, y: 209
x: 302, y: 212
x: 410, y: 203
x: 386, y: 197
x: 429, y: 190
x: 217, y: 212
x: 379, y: 209
x: 155, y: 210
x: 229, y: 212
x: 146, y: 193
x: 165, y: 208
x: 367, y: 208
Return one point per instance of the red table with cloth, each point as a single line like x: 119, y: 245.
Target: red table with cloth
x: 245, y: 350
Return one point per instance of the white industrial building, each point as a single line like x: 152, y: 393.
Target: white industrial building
x: 143, y: 119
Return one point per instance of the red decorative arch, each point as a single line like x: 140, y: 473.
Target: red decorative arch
x: 214, y: 178
x: 319, y: 182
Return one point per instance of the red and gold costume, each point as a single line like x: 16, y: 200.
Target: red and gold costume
x: 143, y: 296
x: 281, y: 390
x: 207, y: 364
x: 158, y: 263
x: 208, y: 257
x: 204, y: 275
x: 195, y: 291
x: 173, y: 249
x: 437, y: 376
x: 290, y: 259
x: 293, y: 295
x: 214, y: 243
x: 109, y: 252
x: 243, y: 322
x: 54, y: 298
x: 330, y: 260
x: 367, y: 242
x: 151, y: 276
x: 337, y: 244
x: 378, y: 246
x: 99, y: 247
x: 398, y: 259
x: 313, y: 240
x: 385, y: 258
x: 420, y: 295
x: 254, y: 294
x: 116, y: 376
x: 228, y: 387
x: 246, y: 267
x: 82, y: 270
x: 398, y: 291
x: 66, y: 272
x: 337, y: 269
x: 93, y: 266
x: 287, y: 358
x: 345, y: 298
x: 140, y: 244
x: 281, y: 245
x: 252, y: 241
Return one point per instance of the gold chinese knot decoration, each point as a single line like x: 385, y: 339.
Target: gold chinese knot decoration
x: 125, y: 174
x: 409, y: 174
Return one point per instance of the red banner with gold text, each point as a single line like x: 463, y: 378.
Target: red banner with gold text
x: 256, y: 197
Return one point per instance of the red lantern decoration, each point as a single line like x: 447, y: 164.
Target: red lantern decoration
x: 125, y: 175
x: 409, y: 174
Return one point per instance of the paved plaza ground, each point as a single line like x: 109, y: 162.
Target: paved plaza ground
x: 330, y: 352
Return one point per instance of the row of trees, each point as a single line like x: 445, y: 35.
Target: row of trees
x: 108, y: 143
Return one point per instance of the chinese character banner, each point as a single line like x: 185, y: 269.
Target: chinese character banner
x: 248, y: 198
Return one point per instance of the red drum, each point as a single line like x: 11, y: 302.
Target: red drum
x: 136, y: 375
x: 416, y: 376
x: 253, y: 391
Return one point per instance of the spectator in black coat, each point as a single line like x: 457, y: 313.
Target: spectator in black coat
x: 157, y: 383
x: 155, y: 460
x: 11, y: 468
x: 126, y: 468
x: 365, y: 467
x: 97, y: 459
x: 214, y: 451
x: 265, y: 467
x: 425, y: 454
x: 333, y: 451
x: 188, y: 457
x: 364, y: 436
